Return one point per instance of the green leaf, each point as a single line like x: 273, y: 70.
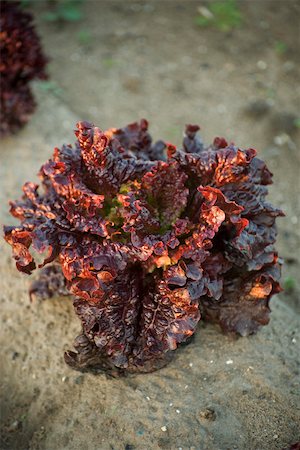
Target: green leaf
x: 84, y: 37
x: 51, y: 87
x: 109, y: 62
x: 297, y: 122
x: 203, y: 21
x: 225, y: 15
x: 289, y: 284
x: 25, y: 3
x: 69, y: 12
x: 50, y: 16
x: 280, y: 47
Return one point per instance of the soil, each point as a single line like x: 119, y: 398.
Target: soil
x: 151, y: 60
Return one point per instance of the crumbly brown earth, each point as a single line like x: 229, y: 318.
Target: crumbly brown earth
x: 151, y: 60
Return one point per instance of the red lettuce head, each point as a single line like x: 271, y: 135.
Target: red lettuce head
x: 22, y: 61
x: 149, y: 238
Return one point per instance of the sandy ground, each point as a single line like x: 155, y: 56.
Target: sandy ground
x: 151, y: 60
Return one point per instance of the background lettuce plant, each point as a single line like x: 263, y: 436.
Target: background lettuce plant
x: 22, y: 60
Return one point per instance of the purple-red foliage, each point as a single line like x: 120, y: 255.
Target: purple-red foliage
x: 22, y: 60
x: 149, y: 239
x: 295, y: 446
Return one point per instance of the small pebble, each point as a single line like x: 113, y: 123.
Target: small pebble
x: 164, y: 428
x: 178, y: 411
x: 288, y: 66
x: 229, y: 361
x: 205, y: 12
x: 221, y: 109
x: 294, y: 341
x: 230, y: 67
x: 262, y: 65
x: 191, y: 364
x: 16, y: 425
x: 79, y: 380
x: 264, y: 25
x: 281, y: 139
x: 64, y: 378
x: 186, y: 60
x: 275, y: 436
x: 75, y: 57
x: 148, y: 398
x: 211, y: 361
x: 171, y: 404
x: 294, y: 220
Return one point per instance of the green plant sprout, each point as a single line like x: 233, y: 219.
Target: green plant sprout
x: 297, y: 122
x: 51, y: 87
x: 84, y: 37
x: 289, y: 284
x: 223, y: 15
x: 64, y: 10
x: 280, y: 47
x: 109, y: 62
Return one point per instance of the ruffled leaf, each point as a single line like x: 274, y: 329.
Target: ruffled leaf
x: 244, y: 305
x: 145, y: 245
x: 22, y: 60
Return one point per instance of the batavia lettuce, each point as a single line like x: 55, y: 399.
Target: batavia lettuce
x: 149, y: 239
x: 22, y: 60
